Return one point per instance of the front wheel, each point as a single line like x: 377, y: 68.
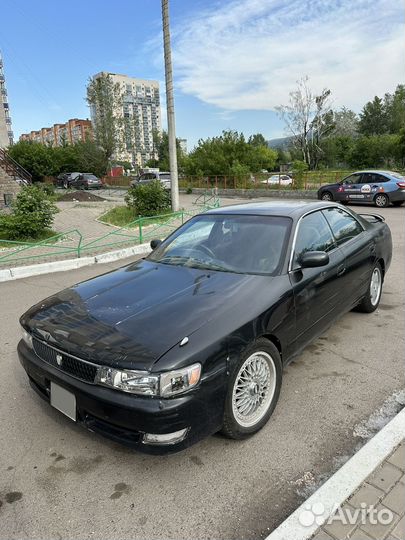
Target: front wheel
x: 253, y: 390
x: 372, y: 298
x: 327, y: 196
x: 381, y: 200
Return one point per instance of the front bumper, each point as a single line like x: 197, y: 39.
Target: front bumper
x: 125, y: 417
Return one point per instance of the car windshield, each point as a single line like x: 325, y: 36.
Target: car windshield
x: 244, y: 244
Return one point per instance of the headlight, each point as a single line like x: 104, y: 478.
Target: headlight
x: 136, y: 382
x: 26, y: 336
x: 143, y: 383
x: 176, y: 382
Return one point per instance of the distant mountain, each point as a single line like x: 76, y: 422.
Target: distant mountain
x: 280, y: 143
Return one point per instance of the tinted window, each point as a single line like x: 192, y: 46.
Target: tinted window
x: 343, y: 225
x: 352, y: 179
x: 313, y: 234
x: 233, y: 243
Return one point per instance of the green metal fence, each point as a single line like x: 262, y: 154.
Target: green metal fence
x: 73, y: 244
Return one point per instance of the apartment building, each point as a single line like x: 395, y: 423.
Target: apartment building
x: 139, y: 108
x: 73, y: 131
x: 6, y: 132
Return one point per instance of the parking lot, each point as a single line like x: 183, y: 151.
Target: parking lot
x: 59, y: 481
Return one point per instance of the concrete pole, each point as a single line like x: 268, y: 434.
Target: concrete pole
x: 171, y: 126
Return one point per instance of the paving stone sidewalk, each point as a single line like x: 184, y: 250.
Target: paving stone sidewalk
x: 384, y: 491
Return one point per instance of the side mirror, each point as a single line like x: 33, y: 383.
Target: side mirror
x: 313, y: 259
x: 155, y: 243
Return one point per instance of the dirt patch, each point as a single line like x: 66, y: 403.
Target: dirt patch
x: 80, y: 196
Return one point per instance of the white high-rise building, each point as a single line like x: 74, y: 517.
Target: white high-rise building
x: 141, y: 110
x: 6, y: 133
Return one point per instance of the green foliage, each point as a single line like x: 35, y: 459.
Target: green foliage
x: 384, y: 115
x: 105, y: 99
x: 161, y: 144
x: 230, y: 154
x: 376, y: 151
x: 41, y: 160
x: 119, y: 215
x: 149, y: 199
x: 299, y: 168
x: 32, y: 213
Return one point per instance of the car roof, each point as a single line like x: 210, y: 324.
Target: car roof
x: 379, y: 171
x: 272, y: 208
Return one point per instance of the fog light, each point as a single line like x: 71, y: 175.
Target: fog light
x: 165, y: 438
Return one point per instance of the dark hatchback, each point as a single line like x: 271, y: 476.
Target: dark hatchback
x: 193, y: 338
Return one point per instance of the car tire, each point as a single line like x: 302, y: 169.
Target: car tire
x: 381, y: 200
x: 398, y: 203
x: 372, y: 298
x: 327, y: 196
x: 255, y: 384
x: 65, y: 184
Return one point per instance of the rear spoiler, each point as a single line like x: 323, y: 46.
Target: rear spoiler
x: 373, y: 218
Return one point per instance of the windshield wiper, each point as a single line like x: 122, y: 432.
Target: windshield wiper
x: 196, y: 263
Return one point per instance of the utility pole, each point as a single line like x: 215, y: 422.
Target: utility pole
x: 171, y: 127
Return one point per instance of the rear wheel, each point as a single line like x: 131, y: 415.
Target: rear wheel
x: 253, y: 390
x: 372, y: 298
x: 398, y: 203
x: 326, y: 196
x: 381, y: 200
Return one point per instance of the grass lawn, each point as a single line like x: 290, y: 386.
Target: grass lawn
x: 47, y: 233
x: 121, y: 216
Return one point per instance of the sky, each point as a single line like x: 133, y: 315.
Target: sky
x: 234, y: 61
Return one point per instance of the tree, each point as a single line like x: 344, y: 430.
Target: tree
x: 346, y: 123
x: 373, y: 118
x: 106, y: 101
x: 394, y: 105
x: 161, y: 144
x: 257, y: 140
x: 308, y: 120
x: 37, y: 158
x: 229, y: 154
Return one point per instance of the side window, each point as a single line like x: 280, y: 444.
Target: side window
x: 343, y: 225
x: 379, y: 178
x: 313, y: 234
x: 352, y: 179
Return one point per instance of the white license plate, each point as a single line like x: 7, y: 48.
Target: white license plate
x: 63, y: 400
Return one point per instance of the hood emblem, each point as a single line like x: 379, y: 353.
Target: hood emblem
x: 59, y: 359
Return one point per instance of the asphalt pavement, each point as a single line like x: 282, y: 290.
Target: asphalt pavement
x: 58, y: 480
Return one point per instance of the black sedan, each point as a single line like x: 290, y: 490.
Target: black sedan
x: 193, y: 339
x: 380, y: 188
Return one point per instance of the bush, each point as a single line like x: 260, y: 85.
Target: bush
x: 48, y: 189
x: 148, y: 199
x: 299, y: 168
x: 32, y: 213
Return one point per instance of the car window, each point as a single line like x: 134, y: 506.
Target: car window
x: 343, y: 225
x: 352, y: 179
x: 164, y: 176
x: 379, y: 178
x: 313, y: 234
x: 234, y: 243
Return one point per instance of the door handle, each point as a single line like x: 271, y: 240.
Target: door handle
x: 372, y: 247
x: 341, y: 270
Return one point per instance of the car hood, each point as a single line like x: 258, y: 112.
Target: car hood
x: 132, y: 316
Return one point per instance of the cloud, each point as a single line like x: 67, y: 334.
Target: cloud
x: 248, y: 54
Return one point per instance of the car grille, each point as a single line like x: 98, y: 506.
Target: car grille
x: 68, y: 364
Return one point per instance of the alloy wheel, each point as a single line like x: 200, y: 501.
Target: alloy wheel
x: 254, y: 389
x: 375, y: 286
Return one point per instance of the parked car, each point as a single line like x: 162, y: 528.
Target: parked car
x: 378, y: 187
x: 64, y: 180
x: 193, y: 339
x: 87, y: 181
x: 279, y: 180
x: 147, y: 178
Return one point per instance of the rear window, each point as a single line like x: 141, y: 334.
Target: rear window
x: 90, y: 176
x: 164, y: 176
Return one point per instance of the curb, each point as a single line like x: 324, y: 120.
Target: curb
x: 9, y: 274
x: 344, y: 482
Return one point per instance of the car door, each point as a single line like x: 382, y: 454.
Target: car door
x: 368, y: 186
x: 359, y: 249
x: 351, y: 188
x: 316, y: 290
